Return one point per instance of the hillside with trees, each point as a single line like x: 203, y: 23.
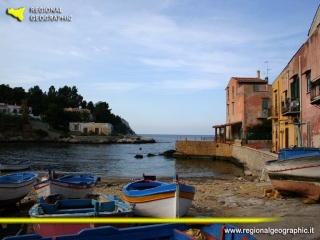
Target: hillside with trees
x: 50, y: 106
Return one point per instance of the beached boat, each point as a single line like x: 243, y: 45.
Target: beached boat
x: 159, y: 199
x: 14, y: 166
x: 172, y: 231
x: 15, y: 186
x: 296, y: 170
x: 70, y: 186
x: 90, y: 206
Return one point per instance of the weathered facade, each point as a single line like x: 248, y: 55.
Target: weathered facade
x: 283, y: 134
x: 96, y: 128
x: 300, y: 96
x: 247, y: 102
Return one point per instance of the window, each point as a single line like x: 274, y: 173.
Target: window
x: 232, y: 108
x: 228, y: 110
x: 295, y: 87
x: 265, y: 106
x: 308, y: 81
x: 227, y: 94
x: 232, y: 92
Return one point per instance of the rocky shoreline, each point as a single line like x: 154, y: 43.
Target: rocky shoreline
x: 80, y: 139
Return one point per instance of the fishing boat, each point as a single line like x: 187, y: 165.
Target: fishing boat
x: 296, y: 170
x: 159, y: 199
x: 89, y: 206
x: 172, y: 231
x: 15, y: 186
x: 14, y: 166
x: 70, y: 186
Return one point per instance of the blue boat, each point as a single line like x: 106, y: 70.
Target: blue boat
x: 70, y: 186
x: 90, y: 206
x: 173, y: 231
x: 15, y: 186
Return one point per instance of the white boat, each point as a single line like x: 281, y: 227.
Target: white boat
x: 296, y: 170
x: 158, y: 199
x: 15, y: 186
x: 15, y: 166
x: 69, y: 186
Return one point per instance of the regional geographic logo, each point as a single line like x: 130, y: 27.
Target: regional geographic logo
x: 40, y: 14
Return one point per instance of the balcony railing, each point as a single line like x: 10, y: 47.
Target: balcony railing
x: 290, y: 106
x: 273, y: 112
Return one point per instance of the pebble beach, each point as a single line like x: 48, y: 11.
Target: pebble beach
x: 232, y: 197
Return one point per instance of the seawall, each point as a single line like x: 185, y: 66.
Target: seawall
x: 252, y: 159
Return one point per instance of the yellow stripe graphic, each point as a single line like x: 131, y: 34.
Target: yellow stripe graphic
x: 137, y: 220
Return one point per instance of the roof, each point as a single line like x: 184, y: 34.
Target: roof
x: 249, y: 80
x: 315, y: 22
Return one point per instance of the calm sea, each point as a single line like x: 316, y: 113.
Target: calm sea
x: 117, y: 160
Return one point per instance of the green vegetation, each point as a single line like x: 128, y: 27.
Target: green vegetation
x: 261, y: 131
x: 50, y: 106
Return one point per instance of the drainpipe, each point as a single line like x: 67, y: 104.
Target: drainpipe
x: 300, y: 101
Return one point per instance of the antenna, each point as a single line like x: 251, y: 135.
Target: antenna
x: 268, y: 69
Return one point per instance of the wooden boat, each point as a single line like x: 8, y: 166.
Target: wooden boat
x: 159, y: 199
x: 70, y: 186
x: 90, y: 206
x: 14, y: 166
x: 173, y: 231
x: 15, y: 186
x: 296, y: 170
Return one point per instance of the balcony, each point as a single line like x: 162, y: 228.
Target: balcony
x: 290, y: 106
x: 315, y: 92
x: 273, y: 112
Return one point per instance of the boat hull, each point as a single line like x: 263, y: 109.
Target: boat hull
x: 298, y: 174
x: 14, y: 190
x: 68, y: 187
x: 157, y: 199
x: 308, y: 189
x: 15, y: 166
x: 153, y: 232
x: 162, y: 208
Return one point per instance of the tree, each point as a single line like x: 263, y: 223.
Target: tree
x: 69, y: 97
x: 102, y: 112
x: 19, y: 95
x: 35, y: 100
x: 261, y: 131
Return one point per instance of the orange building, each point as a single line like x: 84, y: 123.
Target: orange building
x: 247, y: 103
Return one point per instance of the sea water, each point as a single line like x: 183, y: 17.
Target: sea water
x: 117, y: 160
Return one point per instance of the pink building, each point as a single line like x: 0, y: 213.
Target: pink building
x: 300, y: 99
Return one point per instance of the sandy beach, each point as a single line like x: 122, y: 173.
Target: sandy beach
x: 228, y: 198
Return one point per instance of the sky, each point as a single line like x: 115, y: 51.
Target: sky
x: 161, y: 65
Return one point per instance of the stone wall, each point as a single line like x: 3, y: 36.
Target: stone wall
x: 204, y: 148
x: 253, y: 159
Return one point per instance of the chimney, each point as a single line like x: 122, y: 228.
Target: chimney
x: 258, y: 74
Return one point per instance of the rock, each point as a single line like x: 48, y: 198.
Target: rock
x: 150, y: 155
x: 247, y: 173
x: 169, y: 153
x: 138, y: 156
